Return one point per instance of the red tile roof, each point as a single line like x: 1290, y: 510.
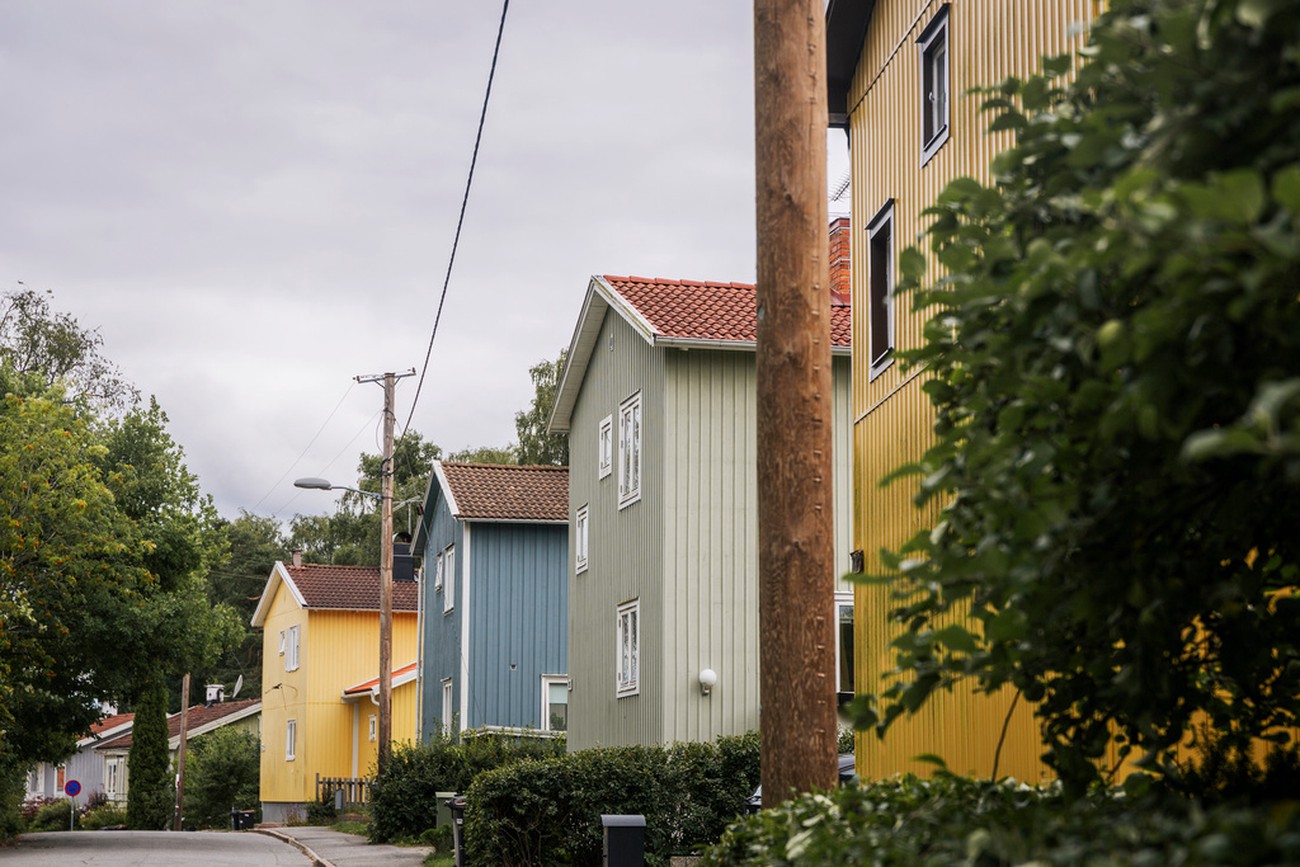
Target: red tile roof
x: 348, y: 588
x: 508, y: 493
x: 689, y: 310
x: 405, y: 674
x: 111, y: 722
x: 199, y: 715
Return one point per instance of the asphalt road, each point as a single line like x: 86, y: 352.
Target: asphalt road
x: 151, y: 849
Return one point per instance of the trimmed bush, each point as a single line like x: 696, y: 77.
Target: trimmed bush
x: 222, y: 773
x: 404, y: 803
x: 104, y: 816
x: 50, y: 816
x: 956, y: 820
x: 548, y: 812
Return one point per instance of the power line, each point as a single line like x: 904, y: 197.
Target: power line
x: 305, y: 449
x: 460, y: 221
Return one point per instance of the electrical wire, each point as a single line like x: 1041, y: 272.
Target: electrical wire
x: 460, y: 221
x: 306, y: 448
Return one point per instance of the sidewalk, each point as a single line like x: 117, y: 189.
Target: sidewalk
x: 329, y: 848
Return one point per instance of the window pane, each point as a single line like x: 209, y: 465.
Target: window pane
x: 846, y: 648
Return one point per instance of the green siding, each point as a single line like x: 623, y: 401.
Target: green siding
x: 625, y: 547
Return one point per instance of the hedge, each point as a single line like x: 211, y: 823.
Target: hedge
x: 404, y: 802
x: 548, y: 812
x: 956, y: 820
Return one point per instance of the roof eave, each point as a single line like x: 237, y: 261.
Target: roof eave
x: 846, y: 29
x: 688, y: 343
x: 279, y: 575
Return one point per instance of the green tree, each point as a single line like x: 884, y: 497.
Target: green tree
x: 221, y: 774
x: 485, y: 455
x: 54, y: 347
x: 150, y: 797
x: 1112, y: 357
x: 536, y: 446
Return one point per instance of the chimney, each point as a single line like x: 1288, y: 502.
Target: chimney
x: 297, y: 556
x: 841, y: 283
x: 403, y: 562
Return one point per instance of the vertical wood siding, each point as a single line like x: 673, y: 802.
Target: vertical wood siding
x: 517, y: 620
x: 711, y: 536
x: 440, y: 655
x: 989, y: 40
x: 625, y: 547
x: 336, y: 650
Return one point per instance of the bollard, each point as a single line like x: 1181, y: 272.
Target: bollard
x: 624, y: 840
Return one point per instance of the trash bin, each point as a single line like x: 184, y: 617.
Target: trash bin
x: 242, y: 820
x: 624, y: 840
x: 457, y: 807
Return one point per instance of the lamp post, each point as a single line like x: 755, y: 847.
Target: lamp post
x: 385, y: 498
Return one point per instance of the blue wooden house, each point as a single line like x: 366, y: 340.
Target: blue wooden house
x: 493, y: 543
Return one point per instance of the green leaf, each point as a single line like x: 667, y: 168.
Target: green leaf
x: 931, y: 759
x: 957, y: 638
x: 1286, y: 188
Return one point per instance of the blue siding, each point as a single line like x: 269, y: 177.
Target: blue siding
x: 440, y: 655
x: 518, y: 618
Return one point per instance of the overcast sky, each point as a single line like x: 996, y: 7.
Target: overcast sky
x: 254, y: 201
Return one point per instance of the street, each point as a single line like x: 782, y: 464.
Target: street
x: 151, y: 848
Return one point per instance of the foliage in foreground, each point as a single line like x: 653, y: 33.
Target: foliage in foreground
x: 151, y: 798
x: 548, y: 812
x: 956, y: 820
x: 1112, y: 357
x: 404, y: 802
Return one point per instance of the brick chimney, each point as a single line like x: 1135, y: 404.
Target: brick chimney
x: 841, y: 288
x: 297, y: 556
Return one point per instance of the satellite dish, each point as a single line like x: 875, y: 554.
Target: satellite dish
x: 239, y: 684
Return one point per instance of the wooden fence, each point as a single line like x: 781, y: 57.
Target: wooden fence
x: 356, y: 790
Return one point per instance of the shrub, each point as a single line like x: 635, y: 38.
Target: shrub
x: 12, y: 790
x: 404, y: 803
x: 322, y: 812
x: 956, y: 820
x: 51, y: 816
x: 151, y: 798
x: 548, y: 811
x: 106, y: 815
x: 222, y: 773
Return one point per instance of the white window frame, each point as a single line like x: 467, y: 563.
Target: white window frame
x: 627, y: 649
x: 374, y: 728
x: 449, y: 580
x: 293, y: 637
x: 448, y: 705
x: 880, y: 289
x: 843, y: 600
x: 437, y: 573
x: 605, y: 447
x: 548, y: 681
x: 290, y: 740
x: 935, y: 50
x: 581, y: 531
x: 282, y: 642
x: 630, y: 425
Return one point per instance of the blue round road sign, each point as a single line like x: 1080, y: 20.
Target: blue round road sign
x: 73, y: 788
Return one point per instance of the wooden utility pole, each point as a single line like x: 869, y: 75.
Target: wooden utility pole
x: 796, y: 527
x: 180, y: 754
x: 385, y: 749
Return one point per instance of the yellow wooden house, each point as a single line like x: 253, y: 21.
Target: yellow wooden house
x: 897, y: 74
x: 320, y: 654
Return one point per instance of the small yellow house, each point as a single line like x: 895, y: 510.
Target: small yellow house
x: 897, y: 72
x: 320, y: 640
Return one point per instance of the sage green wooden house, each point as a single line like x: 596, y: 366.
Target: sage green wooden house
x: 658, y: 400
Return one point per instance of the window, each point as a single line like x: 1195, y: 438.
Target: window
x: 629, y: 648
x: 880, y: 288
x: 111, y: 778
x: 282, y: 642
x: 844, y: 642
x: 448, y: 712
x: 290, y: 740
x: 437, y: 573
x: 580, y: 525
x: 935, y: 88
x: 555, y: 702
x: 291, y: 649
x: 449, y: 582
x: 629, y: 451
x: 605, y: 446
x: 374, y: 727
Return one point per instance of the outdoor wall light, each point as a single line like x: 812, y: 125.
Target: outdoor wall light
x: 708, y: 680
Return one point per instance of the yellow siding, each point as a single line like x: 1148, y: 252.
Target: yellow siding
x: 988, y: 41
x: 337, y: 649
x: 405, y: 700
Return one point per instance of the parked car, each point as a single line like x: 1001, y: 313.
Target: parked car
x: 847, y: 771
